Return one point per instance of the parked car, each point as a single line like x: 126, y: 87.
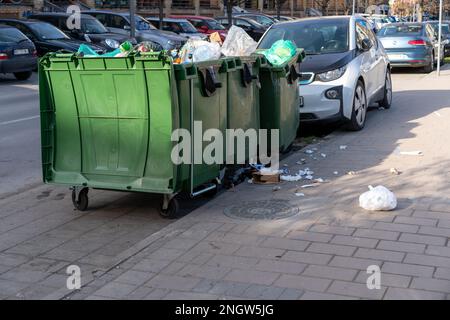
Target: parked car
x: 205, y: 25
x: 445, y: 34
x: 178, y: 26
x: 345, y: 69
x: 119, y: 22
x: 17, y: 53
x: 46, y: 37
x: 253, y: 28
x: 262, y: 19
x: 410, y: 45
x: 91, y: 30
x: 283, y: 18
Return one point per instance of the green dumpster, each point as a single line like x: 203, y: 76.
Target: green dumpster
x: 243, y: 97
x: 106, y: 123
x: 279, y: 99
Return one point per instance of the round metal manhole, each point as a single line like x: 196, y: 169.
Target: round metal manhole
x: 262, y: 210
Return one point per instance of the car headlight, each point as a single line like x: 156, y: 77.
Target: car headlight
x: 331, y: 75
x: 112, y: 43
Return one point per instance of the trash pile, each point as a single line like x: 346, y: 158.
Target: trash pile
x: 379, y: 198
x: 237, y: 44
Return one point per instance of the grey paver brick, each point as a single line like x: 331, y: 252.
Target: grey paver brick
x: 346, y: 231
x: 438, y: 251
x: 151, y: 265
x: 232, y: 261
x: 412, y: 294
x: 256, y: 291
x: 425, y: 239
x: 134, y: 277
x: 444, y: 232
x: 431, y: 214
x: 280, y: 266
x: 431, y: 284
x: 222, y: 288
x: 236, y: 238
x: 427, y: 260
x: 258, y: 252
x: 207, y: 272
x: 172, y: 282
x: 387, y: 279
x: 355, y: 290
x: 407, y: 269
x: 283, y: 243
x: 376, y: 234
x: 291, y: 294
x: 307, y: 257
x: 396, y: 227
x: 354, y: 241
x: 186, y: 295
x: 442, y: 273
x: 302, y: 282
x: 330, y: 272
x: 310, y: 295
x: 181, y: 243
x: 415, y: 221
x: 8, y: 287
x: 353, y: 263
x: 139, y: 294
x: 252, y: 276
x: 444, y: 223
x: 309, y: 236
x: 24, y: 275
x: 401, y: 246
x: 157, y: 294
x: 115, y: 290
x: 165, y: 254
x: 331, y: 249
x: 379, y: 254
x: 215, y: 247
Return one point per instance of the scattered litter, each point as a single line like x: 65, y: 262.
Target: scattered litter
x: 276, y: 188
x: 315, y: 149
x: 323, y: 155
x: 308, y: 151
x: 394, y: 171
x: 307, y: 186
x: 314, y: 158
x: 380, y: 108
x: 378, y: 199
x: 238, y: 43
x: 250, y: 180
x: 260, y: 178
x: 291, y: 177
x: 285, y: 165
x: 335, y: 173
x: 351, y: 173
x: 280, y: 52
x: 438, y: 114
x: 299, y: 194
x: 411, y: 153
x: 342, y: 147
x: 319, y: 180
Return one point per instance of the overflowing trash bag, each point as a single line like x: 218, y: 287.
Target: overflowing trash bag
x: 195, y: 50
x: 378, y: 199
x: 238, y: 43
x: 280, y: 52
x: 125, y: 48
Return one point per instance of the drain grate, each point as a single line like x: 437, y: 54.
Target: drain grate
x: 262, y: 210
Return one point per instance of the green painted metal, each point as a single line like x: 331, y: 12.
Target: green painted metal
x: 107, y: 122
x: 279, y: 99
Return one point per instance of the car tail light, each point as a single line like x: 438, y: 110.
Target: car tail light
x: 3, y: 56
x: 417, y: 42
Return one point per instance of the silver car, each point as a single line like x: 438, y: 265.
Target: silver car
x: 345, y: 70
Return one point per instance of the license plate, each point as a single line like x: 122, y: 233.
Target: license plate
x: 18, y: 52
x: 398, y: 56
x: 301, y: 102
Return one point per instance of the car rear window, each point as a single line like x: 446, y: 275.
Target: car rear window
x: 11, y: 35
x: 400, y: 31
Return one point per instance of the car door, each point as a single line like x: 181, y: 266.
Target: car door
x: 368, y: 60
x: 433, y: 36
x: 380, y: 64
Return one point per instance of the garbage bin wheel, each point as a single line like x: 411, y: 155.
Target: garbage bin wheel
x: 82, y: 201
x: 172, y: 209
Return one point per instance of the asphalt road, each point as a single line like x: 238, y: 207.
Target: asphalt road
x: 20, y: 160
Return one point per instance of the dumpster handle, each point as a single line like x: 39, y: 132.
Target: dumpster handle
x: 247, y: 76
x: 209, y: 81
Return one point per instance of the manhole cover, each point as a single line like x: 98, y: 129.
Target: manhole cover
x: 262, y: 210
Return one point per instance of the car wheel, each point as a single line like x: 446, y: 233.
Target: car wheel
x: 22, y: 75
x: 359, y: 109
x: 387, y: 98
x: 430, y: 67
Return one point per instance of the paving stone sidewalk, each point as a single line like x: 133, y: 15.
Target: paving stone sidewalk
x: 323, y: 251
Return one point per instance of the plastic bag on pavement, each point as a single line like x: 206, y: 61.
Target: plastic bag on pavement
x: 238, y: 43
x: 378, y: 199
x: 280, y: 52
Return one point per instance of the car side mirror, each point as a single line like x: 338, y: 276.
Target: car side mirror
x: 366, y: 44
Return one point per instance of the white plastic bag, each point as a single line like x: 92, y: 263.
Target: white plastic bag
x: 238, y: 43
x: 206, y: 51
x: 378, y: 199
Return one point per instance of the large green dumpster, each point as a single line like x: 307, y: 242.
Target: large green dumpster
x: 243, y: 97
x: 107, y: 123
x: 279, y: 99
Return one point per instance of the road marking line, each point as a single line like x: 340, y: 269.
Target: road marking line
x: 18, y: 120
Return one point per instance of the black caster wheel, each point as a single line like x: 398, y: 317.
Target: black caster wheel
x: 81, y: 202
x: 172, y: 209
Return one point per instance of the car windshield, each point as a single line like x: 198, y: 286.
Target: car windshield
x: 11, y: 35
x: 187, y: 27
x: 46, y: 31
x: 400, y: 30
x: 92, y: 26
x: 314, y: 36
x: 445, y: 28
x: 214, y: 25
x: 142, y: 24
